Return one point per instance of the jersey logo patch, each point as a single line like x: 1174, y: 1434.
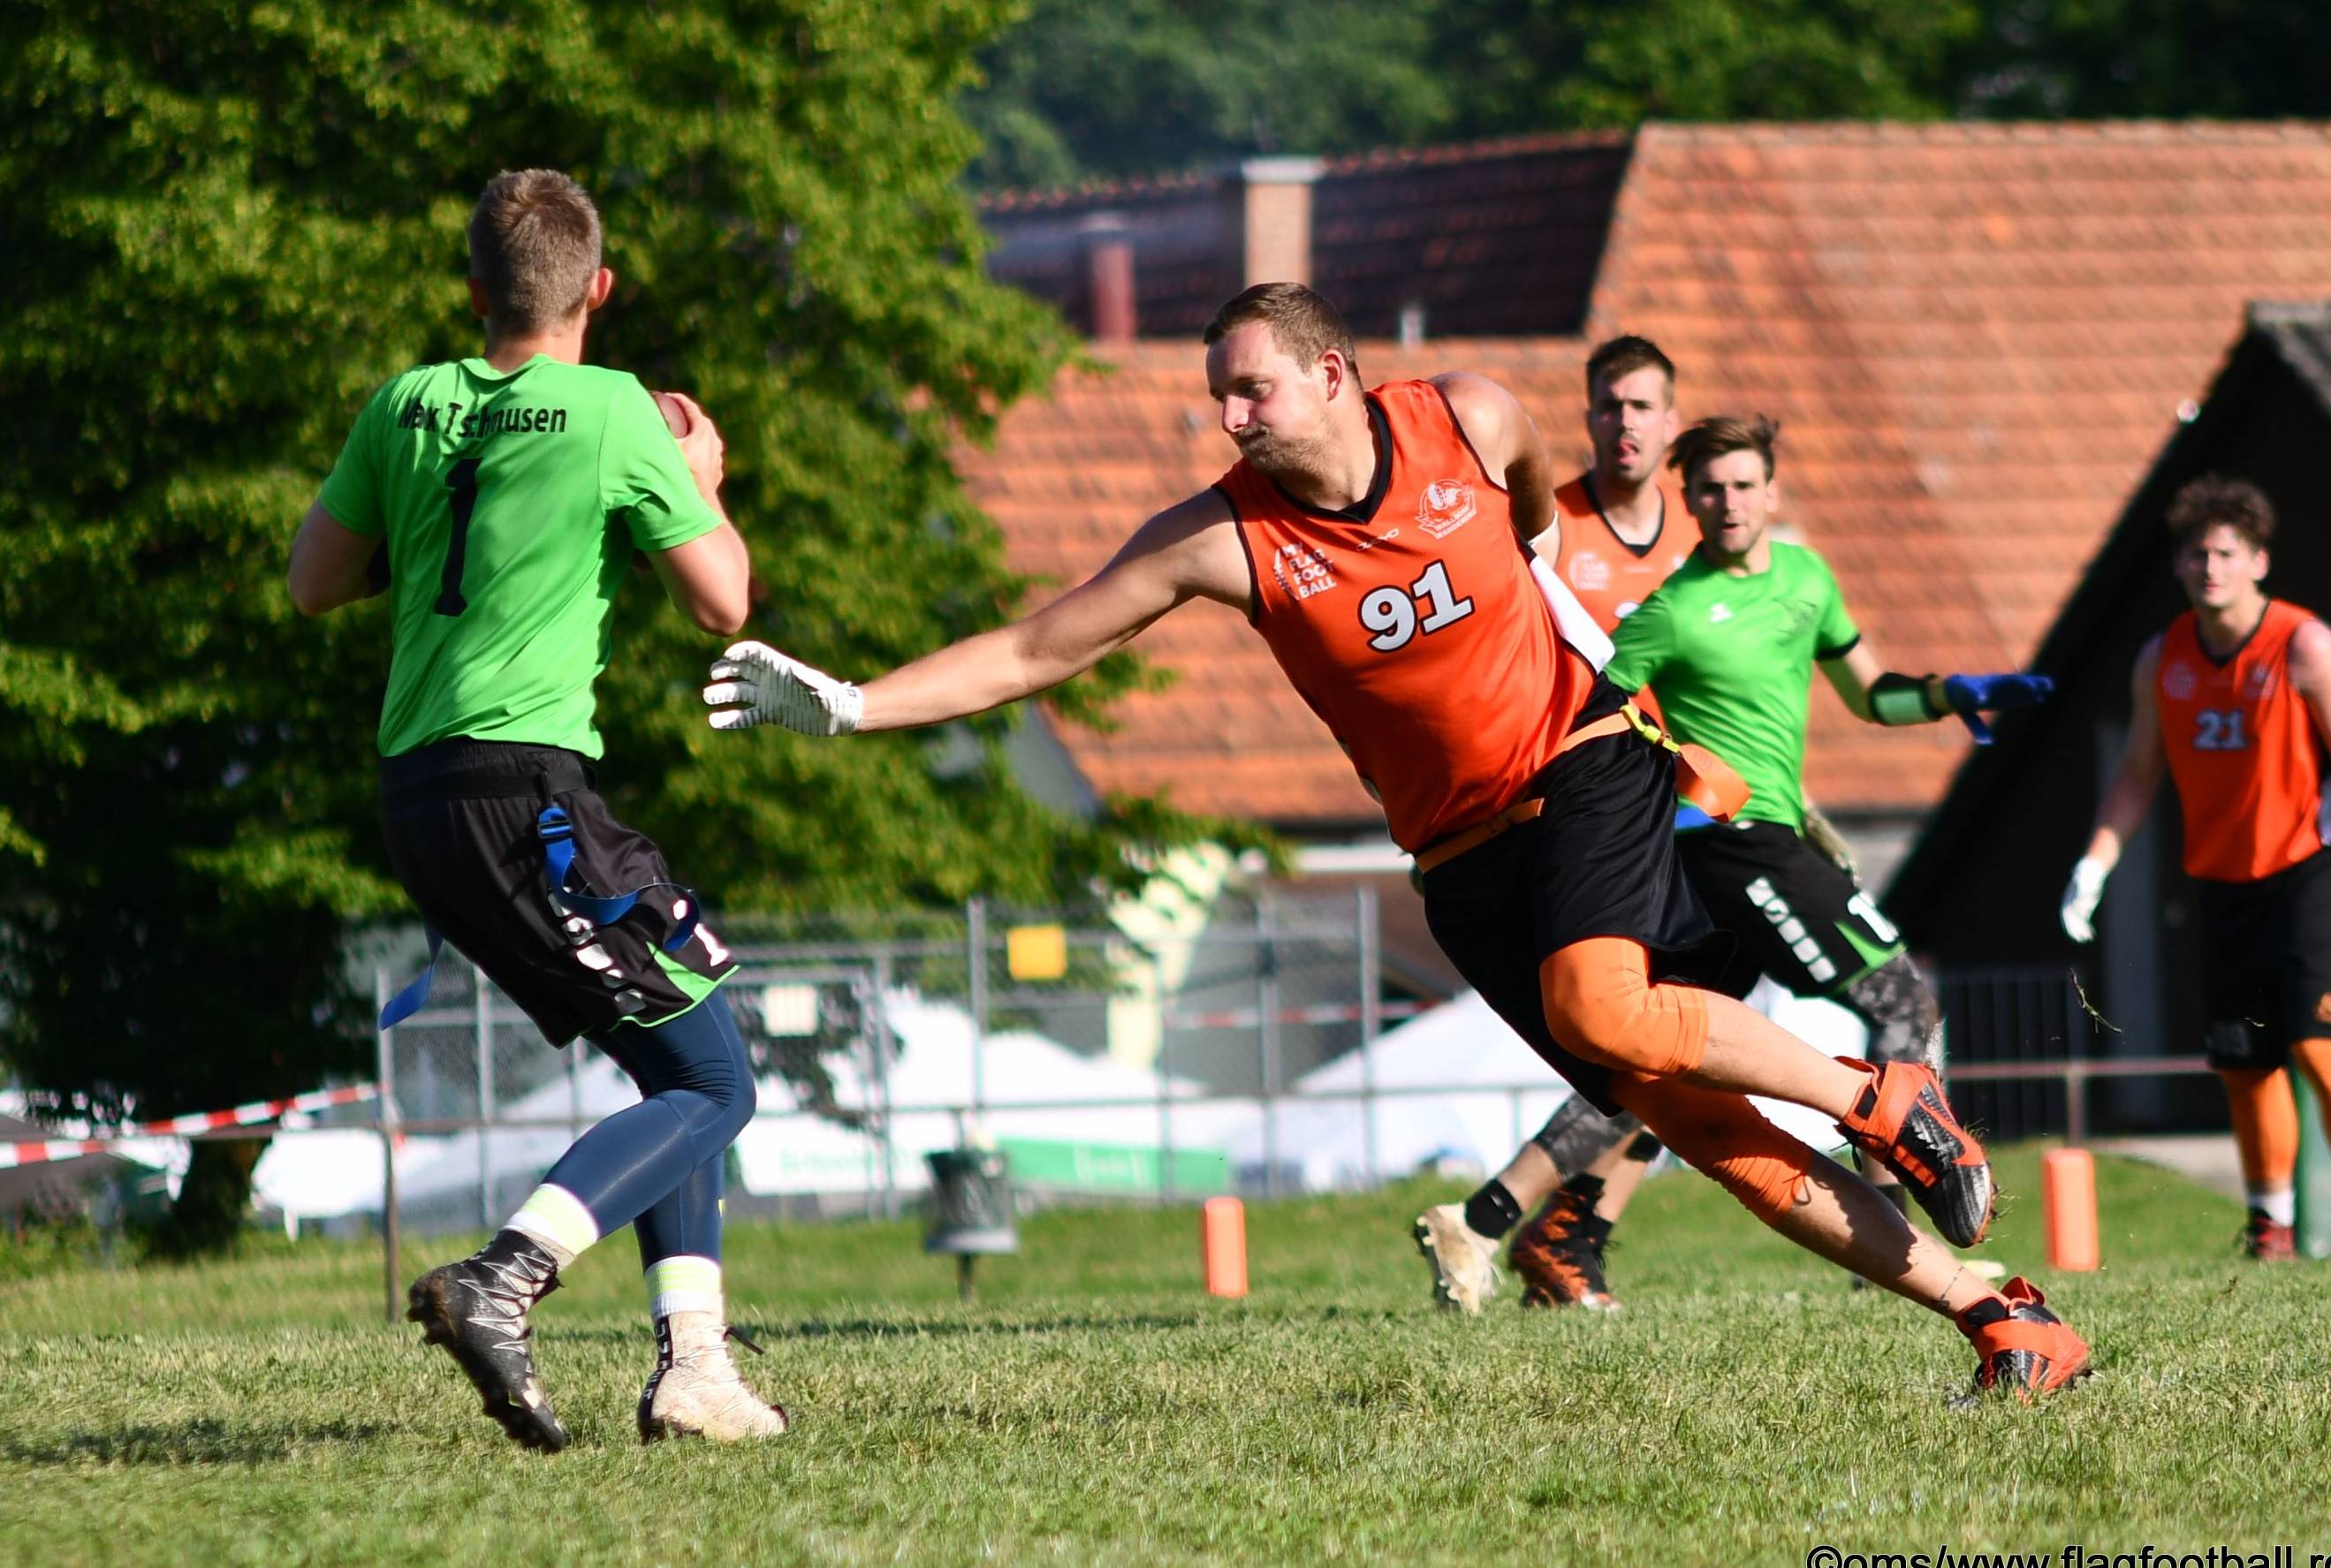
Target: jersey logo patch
x: 1718, y: 612
x: 2178, y: 681
x: 1590, y: 571
x: 1446, y: 506
x: 1302, y: 570
x: 2260, y: 682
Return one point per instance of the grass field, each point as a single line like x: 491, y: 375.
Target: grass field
x: 1095, y: 1408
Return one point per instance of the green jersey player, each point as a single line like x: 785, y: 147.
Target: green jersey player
x: 501, y: 499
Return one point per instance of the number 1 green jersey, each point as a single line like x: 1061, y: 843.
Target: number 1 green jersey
x: 511, y: 502
x: 1731, y: 659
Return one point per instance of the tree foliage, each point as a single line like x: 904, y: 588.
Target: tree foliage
x: 1164, y: 85
x: 1153, y: 86
x: 228, y: 224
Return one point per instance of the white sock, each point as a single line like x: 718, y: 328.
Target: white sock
x: 557, y: 1222
x: 683, y: 1284
x: 2279, y: 1204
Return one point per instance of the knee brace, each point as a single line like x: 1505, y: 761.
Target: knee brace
x: 1602, y: 1007
x: 1721, y: 1136
x: 1577, y: 1134
x: 1906, y: 1022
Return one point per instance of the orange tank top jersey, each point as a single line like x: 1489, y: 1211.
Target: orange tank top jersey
x: 2242, y: 749
x: 1411, y: 625
x: 1609, y: 575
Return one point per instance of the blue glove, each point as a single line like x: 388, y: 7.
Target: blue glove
x: 1970, y: 696
x: 1689, y: 816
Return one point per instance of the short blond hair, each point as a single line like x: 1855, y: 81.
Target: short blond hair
x: 534, y: 247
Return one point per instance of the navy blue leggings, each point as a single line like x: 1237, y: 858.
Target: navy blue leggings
x: 657, y: 1165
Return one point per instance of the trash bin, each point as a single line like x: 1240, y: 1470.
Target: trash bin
x: 971, y: 1203
x: 971, y: 1210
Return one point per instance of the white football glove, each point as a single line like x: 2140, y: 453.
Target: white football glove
x: 753, y: 683
x: 2080, y: 896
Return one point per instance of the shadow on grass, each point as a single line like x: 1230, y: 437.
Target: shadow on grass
x: 999, y: 1328
x: 204, y: 1441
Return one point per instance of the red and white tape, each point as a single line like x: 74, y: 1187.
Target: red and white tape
x: 33, y: 1151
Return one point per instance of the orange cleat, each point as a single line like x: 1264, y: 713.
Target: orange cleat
x: 2024, y: 1346
x: 1903, y: 1121
x: 2268, y: 1243
x: 1559, y: 1253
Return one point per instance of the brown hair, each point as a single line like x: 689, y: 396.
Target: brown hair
x: 1301, y: 321
x: 2210, y: 500
x: 1623, y: 356
x: 1713, y: 438
x: 534, y: 246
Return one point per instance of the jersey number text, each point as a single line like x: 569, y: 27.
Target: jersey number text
x: 461, y: 478
x: 2219, y: 729
x: 1394, y: 616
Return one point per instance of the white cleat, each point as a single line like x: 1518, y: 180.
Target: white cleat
x: 696, y: 1392
x: 1463, y: 1260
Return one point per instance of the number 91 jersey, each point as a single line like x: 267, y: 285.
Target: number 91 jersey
x: 1411, y: 624
x: 509, y: 502
x: 2247, y: 763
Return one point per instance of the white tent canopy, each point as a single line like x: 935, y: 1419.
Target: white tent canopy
x: 321, y: 1174
x: 1321, y: 1147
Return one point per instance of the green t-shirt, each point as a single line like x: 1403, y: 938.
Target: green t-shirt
x: 1731, y: 661
x: 511, y: 502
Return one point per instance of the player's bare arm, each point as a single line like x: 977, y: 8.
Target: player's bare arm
x: 2126, y: 798
x: 331, y: 564
x: 1189, y: 551
x: 2310, y: 674
x: 709, y: 577
x: 1509, y: 446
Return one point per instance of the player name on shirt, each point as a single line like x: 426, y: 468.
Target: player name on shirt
x: 448, y: 418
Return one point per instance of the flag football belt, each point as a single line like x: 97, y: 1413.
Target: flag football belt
x: 556, y: 831
x: 1703, y: 779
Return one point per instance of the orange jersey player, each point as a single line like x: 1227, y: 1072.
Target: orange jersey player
x: 2234, y: 699
x: 1375, y: 541
x: 1618, y: 529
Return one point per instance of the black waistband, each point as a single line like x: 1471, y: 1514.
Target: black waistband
x: 463, y: 769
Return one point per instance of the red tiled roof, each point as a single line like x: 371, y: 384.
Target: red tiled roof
x: 1976, y: 337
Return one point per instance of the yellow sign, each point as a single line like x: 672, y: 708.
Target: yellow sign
x: 1036, y: 952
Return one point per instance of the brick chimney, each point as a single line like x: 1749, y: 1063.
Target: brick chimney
x: 1275, y: 218
x: 1109, y: 277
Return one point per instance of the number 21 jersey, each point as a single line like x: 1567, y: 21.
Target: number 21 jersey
x: 1411, y: 623
x: 511, y: 502
x: 2242, y: 749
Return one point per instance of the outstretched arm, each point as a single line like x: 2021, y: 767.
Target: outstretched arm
x: 1509, y: 445
x: 1189, y: 551
x: 1872, y: 692
x: 1861, y: 680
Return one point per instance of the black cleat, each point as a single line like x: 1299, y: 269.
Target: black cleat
x: 477, y: 1309
x: 1902, y: 1120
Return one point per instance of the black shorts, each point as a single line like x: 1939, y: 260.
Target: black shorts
x: 2266, y: 963
x: 461, y: 818
x: 1598, y: 861
x: 1797, y: 916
